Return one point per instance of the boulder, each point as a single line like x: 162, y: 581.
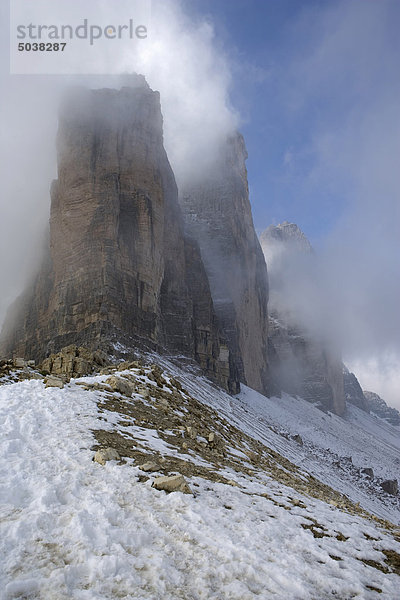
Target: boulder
x: 172, y: 483
x: 143, y: 390
x: 106, y: 454
x: 54, y: 382
x: 149, y: 467
x: 298, y: 439
x: 120, y: 385
x: 191, y: 432
x: 19, y: 363
x: 390, y: 486
x: 368, y: 472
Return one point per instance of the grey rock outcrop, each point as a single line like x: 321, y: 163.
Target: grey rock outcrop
x: 54, y: 382
x: 390, y: 486
x: 120, y: 385
x: 119, y: 267
x: 368, y: 472
x: 378, y: 406
x: 149, y: 467
x: 218, y: 216
x: 301, y: 363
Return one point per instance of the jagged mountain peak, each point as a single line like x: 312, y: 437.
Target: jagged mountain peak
x: 353, y: 391
x: 285, y: 234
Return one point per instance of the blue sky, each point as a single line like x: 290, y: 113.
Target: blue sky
x: 259, y: 37
x: 283, y: 115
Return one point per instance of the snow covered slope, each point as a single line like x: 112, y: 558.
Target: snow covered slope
x: 334, y: 449
x: 255, y: 525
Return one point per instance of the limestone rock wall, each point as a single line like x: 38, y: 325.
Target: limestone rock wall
x: 119, y: 267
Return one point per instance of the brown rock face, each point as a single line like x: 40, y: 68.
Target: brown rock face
x: 119, y: 268
x: 217, y: 214
x: 302, y: 364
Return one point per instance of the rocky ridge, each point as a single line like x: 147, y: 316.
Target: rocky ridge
x: 378, y: 406
x: 303, y: 368
x: 143, y: 393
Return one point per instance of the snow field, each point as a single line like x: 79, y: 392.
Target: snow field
x: 72, y: 529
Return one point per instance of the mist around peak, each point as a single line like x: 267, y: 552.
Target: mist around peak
x: 183, y: 61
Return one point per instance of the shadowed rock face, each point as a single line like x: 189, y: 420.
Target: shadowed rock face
x: 301, y: 364
x: 217, y: 214
x: 119, y: 267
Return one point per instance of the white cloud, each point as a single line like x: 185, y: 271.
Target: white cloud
x: 185, y: 63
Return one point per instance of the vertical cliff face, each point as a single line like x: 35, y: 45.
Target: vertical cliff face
x: 119, y: 265
x: 301, y: 363
x: 217, y: 214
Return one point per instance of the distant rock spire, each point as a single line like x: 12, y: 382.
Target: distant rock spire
x: 218, y: 215
x: 301, y: 363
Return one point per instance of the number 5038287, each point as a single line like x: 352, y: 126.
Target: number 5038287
x: 41, y: 47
